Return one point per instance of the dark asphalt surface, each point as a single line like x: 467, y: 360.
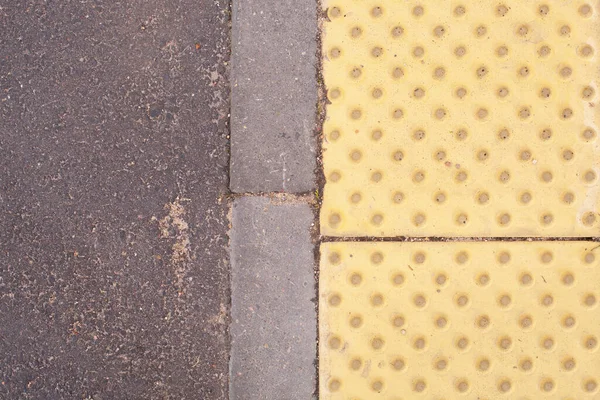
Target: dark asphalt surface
x: 113, y: 162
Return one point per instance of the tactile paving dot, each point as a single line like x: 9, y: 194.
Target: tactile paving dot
x: 463, y: 118
x: 484, y: 320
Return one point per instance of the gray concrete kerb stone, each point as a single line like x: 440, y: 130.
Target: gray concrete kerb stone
x: 273, y: 312
x: 274, y: 96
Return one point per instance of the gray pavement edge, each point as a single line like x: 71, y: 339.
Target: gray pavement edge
x: 273, y: 96
x: 273, y: 159
x: 273, y: 314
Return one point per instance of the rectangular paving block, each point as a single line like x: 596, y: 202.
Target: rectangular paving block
x: 273, y: 327
x: 273, y: 96
x: 483, y: 320
x: 470, y: 118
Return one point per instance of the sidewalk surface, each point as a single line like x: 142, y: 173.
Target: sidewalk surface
x: 466, y: 135
x: 113, y: 229
x: 298, y: 200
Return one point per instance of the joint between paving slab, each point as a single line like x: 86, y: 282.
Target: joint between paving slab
x: 333, y: 239
x: 279, y: 197
x: 320, y: 116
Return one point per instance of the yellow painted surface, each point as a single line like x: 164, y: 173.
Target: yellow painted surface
x: 486, y: 320
x: 461, y: 118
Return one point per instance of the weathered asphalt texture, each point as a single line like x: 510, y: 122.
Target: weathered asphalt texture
x: 113, y: 158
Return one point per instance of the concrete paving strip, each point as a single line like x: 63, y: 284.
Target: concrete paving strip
x: 459, y: 320
x: 274, y: 96
x: 274, y: 326
x: 478, y: 119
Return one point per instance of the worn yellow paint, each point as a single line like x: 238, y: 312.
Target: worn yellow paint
x: 483, y: 320
x: 461, y: 118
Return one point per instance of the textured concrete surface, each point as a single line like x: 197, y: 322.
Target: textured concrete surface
x: 113, y: 142
x: 273, y: 329
x: 274, y: 95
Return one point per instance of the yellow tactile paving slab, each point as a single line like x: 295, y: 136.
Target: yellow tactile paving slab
x: 485, y: 320
x: 462, y: 118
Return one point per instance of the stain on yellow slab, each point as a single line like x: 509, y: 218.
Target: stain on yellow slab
x: 461, y: 118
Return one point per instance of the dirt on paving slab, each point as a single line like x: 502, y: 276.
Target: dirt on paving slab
x: 113, y: 162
